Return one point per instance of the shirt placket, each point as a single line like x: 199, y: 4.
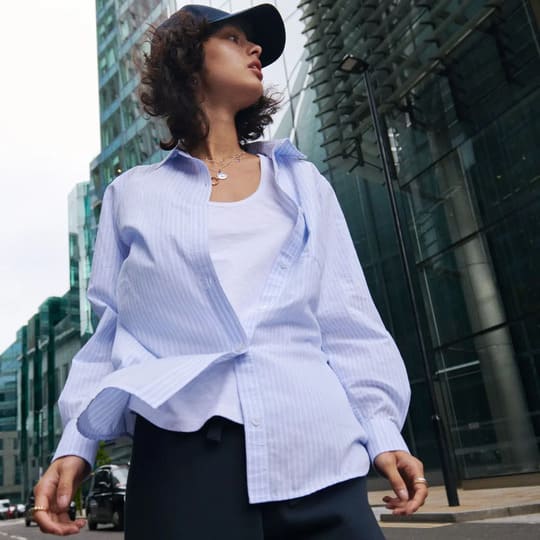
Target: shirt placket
x: 246, y: 368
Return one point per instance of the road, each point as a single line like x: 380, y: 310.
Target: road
x: 516, y: 528
x: 16, y: 530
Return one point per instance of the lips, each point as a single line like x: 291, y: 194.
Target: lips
x: 257, y: 68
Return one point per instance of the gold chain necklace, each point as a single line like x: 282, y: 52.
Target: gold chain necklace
x: 221, y: 165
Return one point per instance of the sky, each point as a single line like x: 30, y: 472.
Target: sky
x: 49, y: 133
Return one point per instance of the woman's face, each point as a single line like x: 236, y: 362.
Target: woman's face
x: 231, y: 74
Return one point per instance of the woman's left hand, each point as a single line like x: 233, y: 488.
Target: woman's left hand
x: 405, y: 474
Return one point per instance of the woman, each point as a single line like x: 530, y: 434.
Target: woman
x: 237, y: 340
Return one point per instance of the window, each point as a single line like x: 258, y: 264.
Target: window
x: 102, y: 480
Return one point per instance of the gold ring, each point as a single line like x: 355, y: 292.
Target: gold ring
x: 37, y: 508
x: 420, y: 480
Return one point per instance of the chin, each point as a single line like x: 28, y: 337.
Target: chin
x: 251, y: 98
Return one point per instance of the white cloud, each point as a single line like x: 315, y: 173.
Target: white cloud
x: 49, y: 133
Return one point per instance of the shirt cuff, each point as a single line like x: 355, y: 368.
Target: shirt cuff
x: 72, y: 443
x: 383, y: 436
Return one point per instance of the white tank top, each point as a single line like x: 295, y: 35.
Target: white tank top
x: 244, y: 239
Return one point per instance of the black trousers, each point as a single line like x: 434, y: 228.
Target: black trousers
x: 192, y: 486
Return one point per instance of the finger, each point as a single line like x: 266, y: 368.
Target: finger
x: 52, y: 520
x: 409, y: 467
x: 418, y: 499
x: 64, y: 492
x: 44, y: 493
x: 395, y: 503
x: 398, y: 484
x: 407, y: 508
x: 400, y: 505
x: 61, y: 525
x: 386, y: 463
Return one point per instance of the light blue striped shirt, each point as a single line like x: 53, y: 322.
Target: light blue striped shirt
x: 322, y: 386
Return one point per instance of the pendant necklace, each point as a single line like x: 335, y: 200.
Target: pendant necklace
x: 221, y: 165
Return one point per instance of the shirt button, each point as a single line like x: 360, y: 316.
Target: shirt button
x: 256, y: 422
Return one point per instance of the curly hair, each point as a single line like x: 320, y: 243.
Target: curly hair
x: 168, y: 85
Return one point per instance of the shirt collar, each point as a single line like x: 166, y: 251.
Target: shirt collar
x: 277, y: 147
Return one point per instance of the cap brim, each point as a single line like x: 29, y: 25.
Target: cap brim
x: 266, y: 27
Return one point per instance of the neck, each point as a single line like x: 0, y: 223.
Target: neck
x: 222, y: 140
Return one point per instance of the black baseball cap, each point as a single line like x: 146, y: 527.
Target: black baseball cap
x: 264, y: 25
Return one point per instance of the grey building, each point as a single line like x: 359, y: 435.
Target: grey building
x: 10, y: 469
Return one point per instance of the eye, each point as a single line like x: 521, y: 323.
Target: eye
x: 234, y: 37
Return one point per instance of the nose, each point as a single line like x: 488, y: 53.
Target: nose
x: 254, y: 48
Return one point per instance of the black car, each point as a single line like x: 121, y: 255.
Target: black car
x: 29, y: 510
x: 105, y: 500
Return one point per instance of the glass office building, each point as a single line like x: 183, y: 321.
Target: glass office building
x: 82, y: 229
x: 127, y: 139
x: 10, y: 468
x: 46, y: 346
x: 457, y: 85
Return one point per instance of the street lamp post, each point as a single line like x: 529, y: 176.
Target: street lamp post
x: 351, y: 64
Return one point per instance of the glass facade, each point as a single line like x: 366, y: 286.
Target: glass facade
x: 127, y: 138
x: 457, y: 85
x: 10, y: 487
x: 45, y: 347
x: 82, y: 227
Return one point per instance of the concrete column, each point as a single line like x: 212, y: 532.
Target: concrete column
x: 485, y: 310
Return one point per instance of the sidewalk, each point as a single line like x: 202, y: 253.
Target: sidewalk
x: 474, y: 504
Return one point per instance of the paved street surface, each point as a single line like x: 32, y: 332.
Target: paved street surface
x: 515, y: 528
x: 466, y: 531
x: 15, y: 529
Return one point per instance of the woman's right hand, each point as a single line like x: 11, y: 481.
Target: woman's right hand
x: 55, y: 491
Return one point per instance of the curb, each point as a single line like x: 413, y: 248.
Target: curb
x: 466, y: 515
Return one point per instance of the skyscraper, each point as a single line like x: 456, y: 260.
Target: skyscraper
x: 10, y: 468
x: 457, y: 85
x: 127, y: 138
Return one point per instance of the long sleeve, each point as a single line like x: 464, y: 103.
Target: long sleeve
x: 360, y: 350
x: 93, y: 361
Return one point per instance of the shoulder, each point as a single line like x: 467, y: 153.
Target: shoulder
x: 308, y: 173
x: 131, y: 175
x: 132, y: 178
x: 294, y: 161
